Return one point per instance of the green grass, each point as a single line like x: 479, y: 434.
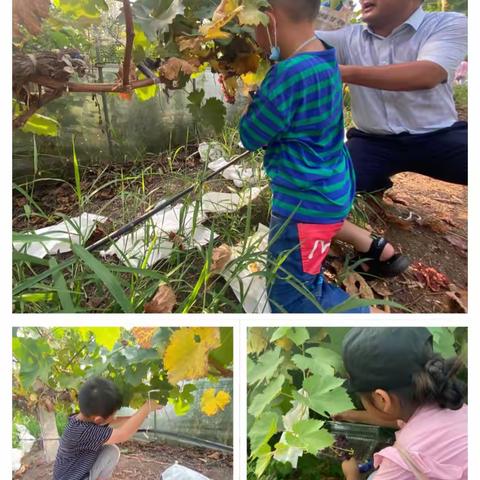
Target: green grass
x: 88, y: 283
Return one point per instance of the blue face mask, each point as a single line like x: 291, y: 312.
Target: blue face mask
x: 275, y: 53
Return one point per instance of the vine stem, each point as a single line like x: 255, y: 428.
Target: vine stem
x: 127, y: 59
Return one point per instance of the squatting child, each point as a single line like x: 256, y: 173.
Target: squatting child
x: 403, y: 384
x: 297, y: 116
x: 88, y: 449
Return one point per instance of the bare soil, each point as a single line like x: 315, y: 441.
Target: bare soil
x: 145, y: 462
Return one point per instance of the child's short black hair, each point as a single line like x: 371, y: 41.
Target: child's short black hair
x: 99, y: 397
x: 299, y: 10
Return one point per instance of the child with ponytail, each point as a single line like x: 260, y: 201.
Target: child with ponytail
x: 403, y: 384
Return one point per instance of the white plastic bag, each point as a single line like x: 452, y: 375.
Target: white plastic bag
x: 178, y: 472
x: 335, y: 14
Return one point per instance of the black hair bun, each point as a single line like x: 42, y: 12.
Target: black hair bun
x: 446, y: 389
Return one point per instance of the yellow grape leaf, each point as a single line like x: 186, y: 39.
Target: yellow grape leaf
x: 140, y: 39
x: 186, y: 356
x: 251, y: 15
x: 144, y: 335
x: 253, y: 80
x: 225, y: 8
x: 201, y: 70
x: 257, y: 340
x: 212, y: 30
x: 213, y: 404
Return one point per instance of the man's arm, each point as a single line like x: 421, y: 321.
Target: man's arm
x: 129, y: 428
x: 405, y: 77
x: 436, y: 62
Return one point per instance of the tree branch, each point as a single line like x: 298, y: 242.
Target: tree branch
x: 91, y: 87
x: 127, y: 59
x: 223, y: 371
x: 20, y: 121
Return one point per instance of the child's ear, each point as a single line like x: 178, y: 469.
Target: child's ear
x: 382, y: 400
x: 98, y: 420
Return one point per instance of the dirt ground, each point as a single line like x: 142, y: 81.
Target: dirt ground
x: 145, y: 462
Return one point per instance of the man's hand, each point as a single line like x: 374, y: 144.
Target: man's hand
x: 350, y: 469
x: 402, y: 77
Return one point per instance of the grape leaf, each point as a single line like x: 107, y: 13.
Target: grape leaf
x: 325, y: 395
x: 264, y: 457
x: 213, y: 113
x: 443, y: 341
x: 309, y: 435
x: 257, y: 340
x: 251, y: 14
x: 182, y: 399
x: 262, y: 431
x: 225, y: 13
x: 29, y: 14
x: 224, y: 354
x: 212, y: 403
x: 87, y: 11
x: 186, y: 357
x: 265, y: 367
x: 321, y: 361
x: 298, y: 335
x: 105, y: 336
x: 262, y: 400
x: 134, y: 374
x: 144, y: 335
x: 41, y: 125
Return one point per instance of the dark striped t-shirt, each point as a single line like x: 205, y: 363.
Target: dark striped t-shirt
x: 297, y: 114
x: 79, y: 448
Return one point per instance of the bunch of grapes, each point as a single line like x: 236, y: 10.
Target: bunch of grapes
x: 341, y: 449
x: 227, y: 94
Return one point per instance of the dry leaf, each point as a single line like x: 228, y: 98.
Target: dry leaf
x: 381, y: 288
x: 436, y: 225
x: 172, y: 68
x: 163, y: 302
x: 458, y: 299
x: 220, y: 258
x: 257, y: 340
x: 356, y: 286
x: 430, y: 277
x: 189, y: 43
x: 186, y: 356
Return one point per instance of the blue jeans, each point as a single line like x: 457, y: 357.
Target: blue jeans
x: 299, y: 286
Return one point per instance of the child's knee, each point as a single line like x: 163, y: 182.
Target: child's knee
x: 112, y: 454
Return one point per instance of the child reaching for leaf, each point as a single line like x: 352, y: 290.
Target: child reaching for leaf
x: 403, y: 384
x: 297, y: 115
x: 88, y: 448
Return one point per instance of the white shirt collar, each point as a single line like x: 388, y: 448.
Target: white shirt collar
x: 415, y: 20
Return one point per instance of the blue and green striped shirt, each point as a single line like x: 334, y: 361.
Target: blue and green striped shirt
x: 297, y: 114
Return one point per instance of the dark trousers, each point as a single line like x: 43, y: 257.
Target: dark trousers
x: 442, y: 154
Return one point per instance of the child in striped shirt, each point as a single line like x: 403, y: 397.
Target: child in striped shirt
x: 88, y: 449
x: 297, y: 115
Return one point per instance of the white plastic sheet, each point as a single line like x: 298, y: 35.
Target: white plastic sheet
x: 179, y: 472
x: 250, y: 289
x: 61, y: 236
x: 26, y: 441
x: 221, y: 202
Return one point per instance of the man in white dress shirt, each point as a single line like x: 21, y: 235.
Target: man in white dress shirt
x: 400, y: 67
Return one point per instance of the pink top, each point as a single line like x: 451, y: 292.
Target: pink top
x: 437, y: 441
x: 462, y: 70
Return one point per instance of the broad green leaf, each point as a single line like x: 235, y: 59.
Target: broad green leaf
x: 110, y: 281
x: 224, y: 354
x: 104, y: 336
x: 262, y: 400
x: 321, y: 361
x: 286, y: 453
x: 266, y: 366
x: 298, y: 335
x: 325, y: 395
x: 251, y: 13
x: 443, y: 341
x: 257, y: 340
x: 264, y: 457
x: 87, y: 11
x: 262, y: 431
x: 310, y: 436
x: 214, y: 113
x: 182, y: 399
x: 41, y: 125
x: 134, y: 374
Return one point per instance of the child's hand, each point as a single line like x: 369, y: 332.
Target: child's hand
x: 153, y: 405
x: 350, y: 469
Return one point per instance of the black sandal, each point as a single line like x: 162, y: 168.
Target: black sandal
x: 392, y: 267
